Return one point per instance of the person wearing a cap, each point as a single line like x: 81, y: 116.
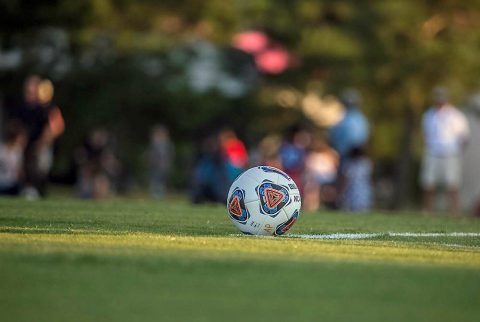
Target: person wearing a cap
x: 446, y: 132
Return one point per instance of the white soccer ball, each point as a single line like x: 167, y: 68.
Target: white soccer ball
x: 264, y: 201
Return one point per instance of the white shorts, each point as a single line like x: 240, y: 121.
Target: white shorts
x: 445, y: 171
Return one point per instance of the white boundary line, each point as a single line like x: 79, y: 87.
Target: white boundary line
x: 349, y: 236
x: 337, y: 236
x: 356, y: 236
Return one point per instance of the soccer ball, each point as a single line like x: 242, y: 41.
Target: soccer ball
x: 264, y: 201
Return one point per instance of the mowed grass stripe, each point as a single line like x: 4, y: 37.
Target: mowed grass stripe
x: 129, y: 260
x: 258, y: 248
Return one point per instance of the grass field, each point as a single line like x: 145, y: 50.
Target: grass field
x: 133, y: 260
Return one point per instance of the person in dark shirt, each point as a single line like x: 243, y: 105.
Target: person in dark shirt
x: 54, y: 128
x: 34, y: 119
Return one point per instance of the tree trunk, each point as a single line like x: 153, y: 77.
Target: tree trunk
x: 403, y: 175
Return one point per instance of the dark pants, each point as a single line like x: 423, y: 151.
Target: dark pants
x: 13, y: 190
x: 33, y: 175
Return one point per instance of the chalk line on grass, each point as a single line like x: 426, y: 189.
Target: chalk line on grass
x: 336, y: 236
x: 356, y: 236
x: 353, y: 236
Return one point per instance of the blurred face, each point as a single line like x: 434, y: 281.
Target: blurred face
x: 99, y: 138
x: 440, y: 97
x: 21, y: 141
x: 226, y: 135
x: 159, y: 135
x: 45, y: 91
x: 302, y: 139
x: 31, y: 89
x: 440, y: 103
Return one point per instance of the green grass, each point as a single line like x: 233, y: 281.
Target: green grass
x: 133, y: 260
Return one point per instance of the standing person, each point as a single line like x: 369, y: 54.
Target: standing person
x: 54, y: 128
x: 160, y: 160
x: 446, y: 132
x: 34, y: 118
x: 11, y: 159
x: 353, y: 130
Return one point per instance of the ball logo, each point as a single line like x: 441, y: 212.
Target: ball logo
x: 236, y: 206
x: 283, y: 228
x: 273, y: 197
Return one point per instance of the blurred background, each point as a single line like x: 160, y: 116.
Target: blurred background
x: 149, y: 95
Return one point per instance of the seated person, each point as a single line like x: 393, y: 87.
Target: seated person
x: 11, y: 159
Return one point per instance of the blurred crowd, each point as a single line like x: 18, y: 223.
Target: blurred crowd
x: 324, y: 176
x: 331, y: 165
x: 100, y: 172
x: 331, y: 168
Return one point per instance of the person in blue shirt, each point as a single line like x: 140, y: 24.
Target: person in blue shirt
x: 353, y: 130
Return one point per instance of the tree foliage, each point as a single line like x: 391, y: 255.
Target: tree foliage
x: 393, y: 51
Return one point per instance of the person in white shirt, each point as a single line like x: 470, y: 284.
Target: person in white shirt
x: 446, y: 133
